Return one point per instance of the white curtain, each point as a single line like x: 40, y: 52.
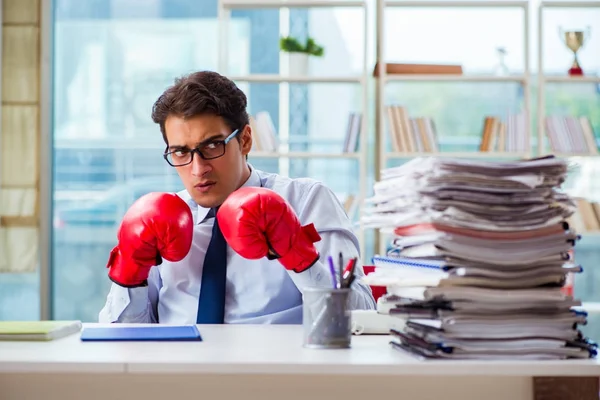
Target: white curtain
x: 20, y: 137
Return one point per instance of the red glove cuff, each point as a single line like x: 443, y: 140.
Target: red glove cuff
x: 303, y: 254
x: 123, y: 273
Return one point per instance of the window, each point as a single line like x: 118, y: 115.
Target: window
x: 113, y: 58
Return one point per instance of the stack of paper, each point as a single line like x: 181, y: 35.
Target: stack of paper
x: 478, y: 257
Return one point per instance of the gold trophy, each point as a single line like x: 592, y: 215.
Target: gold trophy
x: 574, y: 40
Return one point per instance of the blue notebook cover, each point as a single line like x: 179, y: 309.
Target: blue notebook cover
x: 141, y: 333
x: 398, y: 261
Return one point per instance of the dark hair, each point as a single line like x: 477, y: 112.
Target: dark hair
x: 202, y: 93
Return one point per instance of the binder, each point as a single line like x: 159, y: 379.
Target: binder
x: 118, y: 332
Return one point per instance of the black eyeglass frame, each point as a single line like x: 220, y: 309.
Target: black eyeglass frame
x: 222, y: 142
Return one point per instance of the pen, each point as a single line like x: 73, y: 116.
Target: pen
x: 349, y: 273
x: 347, y: 269
x: 346, y: 274
x: 350, y: 278
x: 332, y: 270
x: 341, y: 269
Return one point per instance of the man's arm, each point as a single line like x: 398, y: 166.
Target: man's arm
x: 157, y: 226
x: 135, y: 305
x: 321, y: 207
x: 258, y: 222
x: 319, y: 275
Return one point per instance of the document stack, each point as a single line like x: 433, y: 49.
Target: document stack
x: 479, y: 254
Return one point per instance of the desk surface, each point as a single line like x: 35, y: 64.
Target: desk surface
x: 256, y: 349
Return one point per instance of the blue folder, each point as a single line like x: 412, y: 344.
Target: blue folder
x: 141, y: 333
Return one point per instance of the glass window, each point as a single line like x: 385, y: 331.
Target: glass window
x: 19, y: 296
x: 112, y: 59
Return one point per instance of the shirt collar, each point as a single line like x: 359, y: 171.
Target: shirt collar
x: 253, y: 180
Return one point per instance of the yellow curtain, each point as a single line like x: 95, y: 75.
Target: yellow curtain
x: 20, y: 136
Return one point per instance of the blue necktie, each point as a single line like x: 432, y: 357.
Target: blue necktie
x: 211, y: 302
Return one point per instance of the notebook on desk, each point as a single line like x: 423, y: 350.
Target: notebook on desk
x: 37, y: 330
x: 118, y: 332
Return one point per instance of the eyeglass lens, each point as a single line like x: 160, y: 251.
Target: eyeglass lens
x: 208, y: 151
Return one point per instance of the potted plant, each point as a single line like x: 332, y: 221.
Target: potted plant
x: 298, y: 53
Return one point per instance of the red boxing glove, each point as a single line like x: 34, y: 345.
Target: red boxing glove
x: 156, y: 226
x: 257, y: 222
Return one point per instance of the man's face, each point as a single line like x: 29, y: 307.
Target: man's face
x: 209, y: 182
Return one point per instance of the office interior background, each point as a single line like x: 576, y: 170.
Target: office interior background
x: 79, y: 78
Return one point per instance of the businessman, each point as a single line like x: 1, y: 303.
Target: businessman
x: 238, y: 245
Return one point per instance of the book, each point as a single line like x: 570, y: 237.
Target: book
x: 118, y: 332
x: 415, y: 68
x: 37, y: 330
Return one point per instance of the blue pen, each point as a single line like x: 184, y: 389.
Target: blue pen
x: 332, y: 270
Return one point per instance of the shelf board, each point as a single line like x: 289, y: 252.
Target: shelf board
x: 569, y: 4
x: 266, y: 78
x: 588, y: 234
x: 592, y: 307
x: 572, y: 79
x: 454, y: 78
x: 456, y: 4
x: 466, y: 154
x: 110, y: 144
x: 248, y: 4
x: 302, y: 154
x: 574, y: 155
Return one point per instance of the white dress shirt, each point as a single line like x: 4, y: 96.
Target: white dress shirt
x: 257, y: 291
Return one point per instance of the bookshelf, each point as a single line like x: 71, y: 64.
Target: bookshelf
x: 456, y: 78
x: 545, y: 79
x: 473, y: 154
x: 283, y: 154
x: 269, y: 78
x: 383, y: 132
x: 252, y: 4
x: 586, y: 191
x: 298, y: 154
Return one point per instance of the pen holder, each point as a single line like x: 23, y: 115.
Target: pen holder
x: 326, y: 319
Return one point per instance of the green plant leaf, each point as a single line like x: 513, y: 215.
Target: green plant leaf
x: 292, y: 45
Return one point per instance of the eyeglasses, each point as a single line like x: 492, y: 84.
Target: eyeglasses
x: 206, y: 151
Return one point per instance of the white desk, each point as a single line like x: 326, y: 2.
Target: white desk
x: 257, y: 362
